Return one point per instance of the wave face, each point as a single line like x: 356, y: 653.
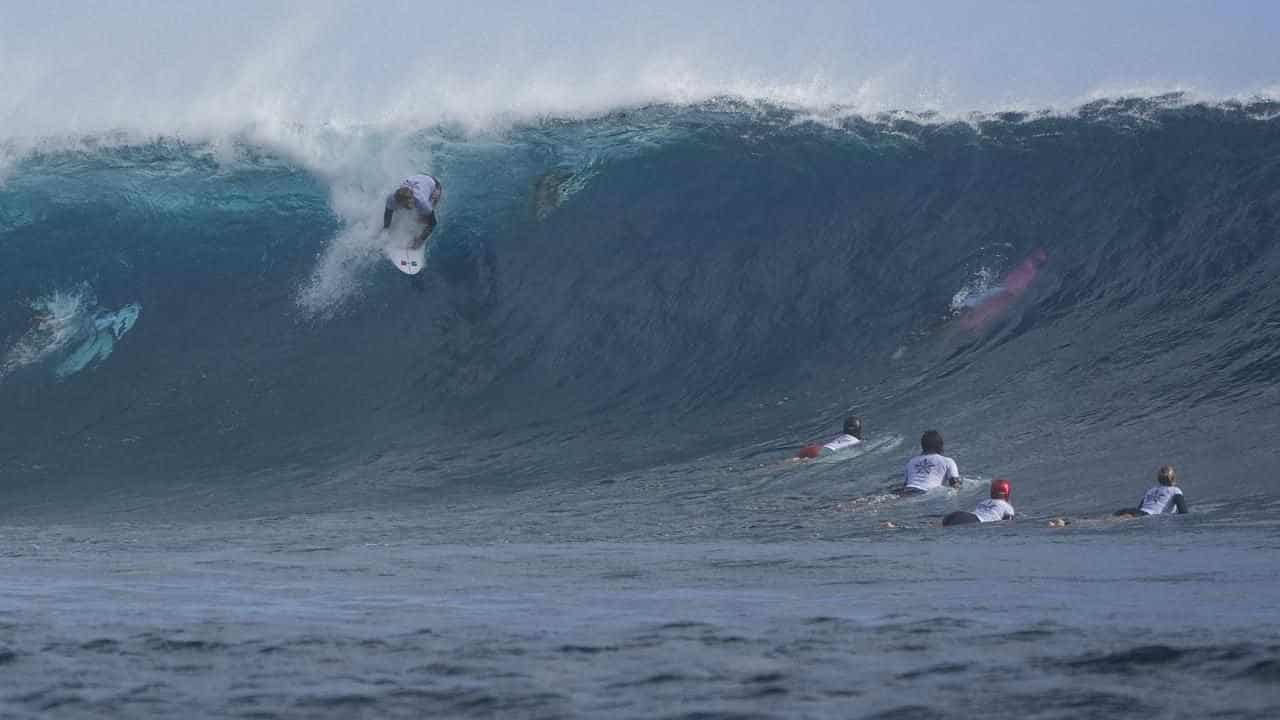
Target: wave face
x: 1072, y: 299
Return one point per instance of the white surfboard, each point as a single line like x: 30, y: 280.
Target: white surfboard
x: 407, y: 260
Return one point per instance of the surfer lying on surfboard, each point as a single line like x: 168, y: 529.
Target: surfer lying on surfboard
x: 994, y: 510
x: 851, y: 437
x: 1164, y: 497
x: 931, y: 469
x: 420, y: 193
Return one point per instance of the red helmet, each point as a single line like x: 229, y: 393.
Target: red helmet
x: 1001, y: 489
x: 809, y: 452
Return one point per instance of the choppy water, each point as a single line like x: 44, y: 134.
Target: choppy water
x: 358, y: 615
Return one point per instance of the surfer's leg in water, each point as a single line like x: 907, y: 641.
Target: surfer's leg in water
x: 960, y: 517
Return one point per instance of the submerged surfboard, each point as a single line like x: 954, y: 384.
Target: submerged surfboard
x: 407, y: 260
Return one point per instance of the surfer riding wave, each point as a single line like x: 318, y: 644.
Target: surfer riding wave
x: 420, y: 193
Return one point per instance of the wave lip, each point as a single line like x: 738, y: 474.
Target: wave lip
x: 218, y: 68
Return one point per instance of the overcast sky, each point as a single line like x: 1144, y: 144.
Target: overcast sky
x: 82, y: 66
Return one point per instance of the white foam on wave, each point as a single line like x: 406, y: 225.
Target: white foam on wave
x: 58, y: 319
x: 980, y: 286
x: 360, y: 167
x: 203, y: 68
x: 198, y: 71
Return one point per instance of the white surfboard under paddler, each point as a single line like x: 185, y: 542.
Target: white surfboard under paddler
x: 407, y: 259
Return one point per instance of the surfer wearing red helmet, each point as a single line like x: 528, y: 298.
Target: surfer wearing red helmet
x: 995, y: 509
x: 850, y: 438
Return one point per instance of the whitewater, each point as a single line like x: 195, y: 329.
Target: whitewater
x: 248, y: 469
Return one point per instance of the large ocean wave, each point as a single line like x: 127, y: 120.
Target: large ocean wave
x: 1072, y: 298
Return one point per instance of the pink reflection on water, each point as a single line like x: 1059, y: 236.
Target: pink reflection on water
x: 1012, y: 286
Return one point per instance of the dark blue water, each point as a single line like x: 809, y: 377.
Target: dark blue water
x: 348, y: 615
x: 627, y: 325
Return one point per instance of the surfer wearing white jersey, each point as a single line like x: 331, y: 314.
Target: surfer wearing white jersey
x: 1164, y: 497
x: 994, y: 509
x: 850, y: 438
x: 931, y: 469
x: 420, y: 193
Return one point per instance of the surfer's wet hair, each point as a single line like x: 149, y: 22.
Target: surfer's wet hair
x: 931, y: 442
x: 853, y: 426
x: 1166, y: 475
x: 404, y: 196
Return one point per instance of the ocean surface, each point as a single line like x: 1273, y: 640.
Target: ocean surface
x: 248, y: 469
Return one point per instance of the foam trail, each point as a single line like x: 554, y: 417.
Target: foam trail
x: 58, y: 319
x: 67, y: 318
x: 359, y: 167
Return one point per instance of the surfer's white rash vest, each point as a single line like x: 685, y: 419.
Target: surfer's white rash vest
x: 423, y: 188
x: 926, y: 472
x: 993, y: 510
x: 1162, y: 499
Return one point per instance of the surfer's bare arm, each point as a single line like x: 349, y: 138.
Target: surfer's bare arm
x: 430, y: 220
x: 389, y: 209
